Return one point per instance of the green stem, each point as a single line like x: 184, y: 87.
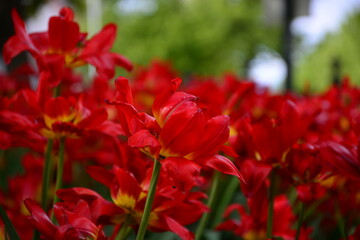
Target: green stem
x: 56, y: 92
x: 124, y: 231
x: 341, y: 222
x: 46, y: 174
x: 205, y: 218
x: 149, y: 200
x: 311, y: 209
x: 59, y: 172
x: 9, y: 227
x: 271, y: 204
x: 231, y: 187
x: 300, y: 221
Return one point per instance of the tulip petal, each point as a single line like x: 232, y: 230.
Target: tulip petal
x: 181, y: 171
x: 39, y: 219
x: 221, y: 164
x: 144, y: 139
x: 180, y: 230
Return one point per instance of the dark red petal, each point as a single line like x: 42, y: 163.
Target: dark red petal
x: 340, y: 159
x: 19, y: 42
x: 39, y: 219
x: 221, y: 164
x: 165, y: 104
x: 53, y: 64
x: 95, y: 119
x: 60, y: 106
x: 77, y: 193
x: 104, y: 64
x: 130, y: 120
x: 123, y: 90
x: 66, y: 13
x: 177, y: 228
x: 255, y: 175
x: 215, y: 134
x: 143, y: 139
x: 122, y: 61
x: 101, y: 175
x: 101, y: 42
x: 182, y: 132
x: 63, y: 35
x: 181, y: 172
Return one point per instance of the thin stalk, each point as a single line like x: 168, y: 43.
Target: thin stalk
x: 300, y: 221
x: 149, y: 200
x: 9, y: 227
x: 46, y: 174
x: 124, y: 231
x: 342, y: 223
x: 271, y: 204
x: 310, y: 210
x: 59, y: 172
x: 231, y: 187
x: 205, y: 218
x: 56, y: 92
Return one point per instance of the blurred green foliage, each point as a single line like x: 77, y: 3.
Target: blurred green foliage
x: 317, y: 67
x: 202, y: 37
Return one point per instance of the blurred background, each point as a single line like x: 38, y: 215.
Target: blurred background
x: 300, y: 45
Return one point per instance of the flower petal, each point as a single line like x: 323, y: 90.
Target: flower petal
x: 221, y: 164
x: 181, y: 172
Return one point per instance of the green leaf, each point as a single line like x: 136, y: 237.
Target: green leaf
x: 8, y: 225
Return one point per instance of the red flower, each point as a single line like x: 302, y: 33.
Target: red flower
x: 63, y: 45
x: 169, y: 212
x: 253, y: 224
x: 68, y: 117
x: 180, y: 134
x: 73, y: 224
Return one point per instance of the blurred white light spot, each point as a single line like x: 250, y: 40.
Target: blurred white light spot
x: 268, y: 70
x: 142, y: 6
x: 326, y: 16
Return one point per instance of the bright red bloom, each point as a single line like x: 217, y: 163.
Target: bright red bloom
x: 169, y: 212
x: 180, y: 134
x: 64, y: 46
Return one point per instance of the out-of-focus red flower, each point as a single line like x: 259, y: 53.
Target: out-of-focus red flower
x: 64, y: 46
x: 255, y: 174
x: 68, y: 117
x: 72, y: 224
x: 149, y: 81
x: 252, y: 225
x: 22, y: 186
x: 180, y: 134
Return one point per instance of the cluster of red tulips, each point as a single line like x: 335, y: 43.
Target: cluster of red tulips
x: 152, y: 153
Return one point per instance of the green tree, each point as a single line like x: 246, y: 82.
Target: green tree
x: 202, y: 37
x: 317, y: 68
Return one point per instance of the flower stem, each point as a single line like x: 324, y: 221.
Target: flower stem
x: 231, y: 187
x: 149, y: 200
x: 124, y: 231
x: 46, y: 174
x: 341, y: 222
x: 59, y: 172
x: 300, y: 221
x: 56, y: 92
x: 205, y: 218
x: 271, y: 204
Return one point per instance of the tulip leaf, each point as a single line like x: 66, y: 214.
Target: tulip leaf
x: 9, y: 227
